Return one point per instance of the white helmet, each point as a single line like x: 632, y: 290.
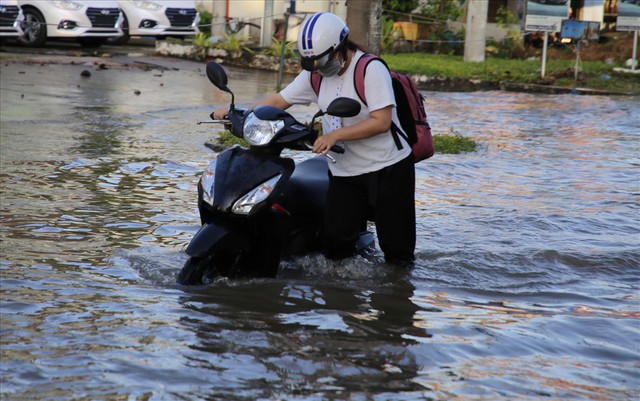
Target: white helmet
x: 320, y: 36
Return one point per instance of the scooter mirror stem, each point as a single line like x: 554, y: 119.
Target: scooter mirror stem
x: 313, y: 120
x: 232, y: 106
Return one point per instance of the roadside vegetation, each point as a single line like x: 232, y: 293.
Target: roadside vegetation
x: 515, y: 59
x: 559, y: 72
x: 448, y: 143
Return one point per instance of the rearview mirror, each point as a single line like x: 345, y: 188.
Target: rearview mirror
x: 343, y: 107
x: 217, y: 76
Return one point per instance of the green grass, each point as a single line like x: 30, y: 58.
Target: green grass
x: 224, y: 140
x: 452, y: 143
x: 594, y: 74
x: 453, y: 66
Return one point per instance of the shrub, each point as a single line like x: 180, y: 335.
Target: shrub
x: 453, y: 143
x: 276, y: 49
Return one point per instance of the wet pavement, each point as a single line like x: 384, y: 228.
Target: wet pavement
x: 525, y: 286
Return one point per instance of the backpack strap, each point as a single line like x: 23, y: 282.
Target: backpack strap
x: 360, y: 72
x: 358, y: 76
x: 358, y: 83
x: 316, y: 80
x: 396, y: 133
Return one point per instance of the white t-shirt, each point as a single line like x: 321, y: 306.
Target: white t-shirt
x: 363, y: 155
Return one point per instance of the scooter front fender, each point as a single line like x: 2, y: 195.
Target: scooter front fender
x: 209, y: 236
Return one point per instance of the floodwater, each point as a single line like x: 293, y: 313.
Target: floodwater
x: 525, y: 287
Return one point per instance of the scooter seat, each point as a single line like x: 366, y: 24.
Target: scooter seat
x: 308, y: 185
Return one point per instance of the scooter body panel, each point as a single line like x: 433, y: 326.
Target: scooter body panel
x: 207, y: 237
x: 239, y: 170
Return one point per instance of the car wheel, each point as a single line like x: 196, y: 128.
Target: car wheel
x: 34, y: 27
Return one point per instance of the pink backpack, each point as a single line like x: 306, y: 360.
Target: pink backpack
x: 409, y: 105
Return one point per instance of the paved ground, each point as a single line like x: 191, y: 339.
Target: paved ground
x: 138, y: 53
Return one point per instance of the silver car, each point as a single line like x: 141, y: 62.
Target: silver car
x: 11, y: 18
x: 91, y: 22
x: 159, y: 18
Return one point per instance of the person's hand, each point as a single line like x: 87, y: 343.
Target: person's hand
x: 219, y: 114
x: 324, y: 143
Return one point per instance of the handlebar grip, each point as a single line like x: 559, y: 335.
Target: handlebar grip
x: 213, y: 117
x: 337, y: 149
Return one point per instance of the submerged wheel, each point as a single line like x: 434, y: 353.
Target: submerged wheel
x: 193, y: 271
x: 197, y: 270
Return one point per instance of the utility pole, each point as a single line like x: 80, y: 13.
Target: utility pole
x: 364, y: 19
x: 266, y: 31
x: 474, y: 45
x: 218, y: 18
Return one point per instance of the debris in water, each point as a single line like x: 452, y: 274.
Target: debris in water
x: 85, y: 73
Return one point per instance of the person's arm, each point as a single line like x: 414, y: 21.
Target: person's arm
x: 379, y: 121
x: 273, y: 100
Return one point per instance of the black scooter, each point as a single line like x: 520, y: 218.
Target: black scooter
x: 255, y: 206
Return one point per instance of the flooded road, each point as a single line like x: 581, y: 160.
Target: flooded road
x: 525, y: 287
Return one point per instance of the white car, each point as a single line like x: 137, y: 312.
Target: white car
x: 10, y: 18
x: 91, y: 22
x: 159, y: 18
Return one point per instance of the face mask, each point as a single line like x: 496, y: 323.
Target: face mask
x: 331, y: 68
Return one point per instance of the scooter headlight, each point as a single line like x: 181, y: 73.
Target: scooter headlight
x: 254, y: 197
x: 259, y: 132
x: 208, y: 181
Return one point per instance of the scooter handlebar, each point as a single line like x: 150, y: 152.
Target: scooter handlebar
x: 336, y: 148
x: 212, y: 122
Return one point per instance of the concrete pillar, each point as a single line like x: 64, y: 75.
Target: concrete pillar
x: 474, y: 45
x: 218, y: 20
x: 339, y: 8
x: 364, y: 22
x: 266, y: 32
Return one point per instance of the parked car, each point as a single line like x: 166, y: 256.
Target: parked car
x: 159, y: 18
x: 91, y: 22
x: 10, y: 18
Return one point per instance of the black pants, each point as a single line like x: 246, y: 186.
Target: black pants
x: 387, y: 197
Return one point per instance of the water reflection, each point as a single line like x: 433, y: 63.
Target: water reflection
x: 525, y: 286
x: 101, y: 134
x: 308, y: 338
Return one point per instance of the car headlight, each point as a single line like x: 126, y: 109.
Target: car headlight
x: 147, y: 5
x: 254, y: 197
x: 260, y: 132
x: 208, y: 181
x: 67, y: 5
